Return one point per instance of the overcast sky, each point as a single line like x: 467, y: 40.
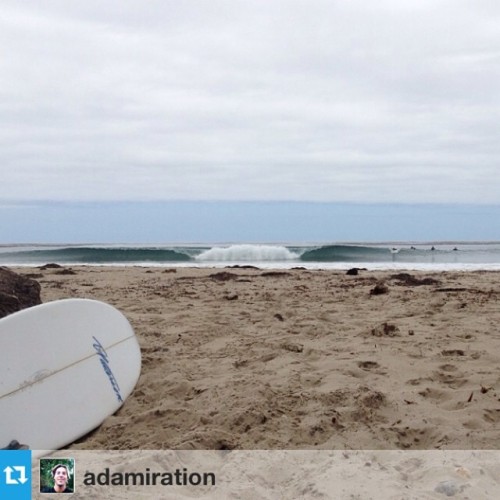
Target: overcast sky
x: 388, y: 101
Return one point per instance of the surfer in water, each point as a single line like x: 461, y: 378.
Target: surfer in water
x: 60, y: 474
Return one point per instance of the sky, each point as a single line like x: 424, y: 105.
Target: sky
x: 335, y: 103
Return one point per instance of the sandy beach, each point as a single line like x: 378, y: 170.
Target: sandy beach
x: 243, y: 358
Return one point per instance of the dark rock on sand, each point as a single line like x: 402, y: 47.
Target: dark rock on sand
x: 15, y: 445
x: 385, y: 330
x: 354, y: 271
x: 238, y: 266
x: 379, y: 289
x: 290, y: 346
x: 17, y: 292
x: 50, y: 266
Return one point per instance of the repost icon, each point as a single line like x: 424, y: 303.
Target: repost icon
x: 15, y: 474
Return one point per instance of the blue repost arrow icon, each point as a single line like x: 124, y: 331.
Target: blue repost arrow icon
x: 10, y: 478
x: 15, y: 474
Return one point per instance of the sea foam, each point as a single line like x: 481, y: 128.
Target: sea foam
x: 247, y: 253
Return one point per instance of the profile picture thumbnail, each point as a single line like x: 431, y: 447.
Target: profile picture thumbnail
x: 57, y: 475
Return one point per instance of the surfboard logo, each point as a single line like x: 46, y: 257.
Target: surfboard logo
x: 103, y: 358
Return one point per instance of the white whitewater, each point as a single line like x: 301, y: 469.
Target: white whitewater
x: 247, y: 253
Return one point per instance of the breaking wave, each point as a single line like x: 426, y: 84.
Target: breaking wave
x: 248, y: 253
x: 261, y: 253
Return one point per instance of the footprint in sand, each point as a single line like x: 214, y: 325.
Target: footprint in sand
x: 454, y: 381
x: 368, y: 365
x: 448, y: 368
x: 435, y: 394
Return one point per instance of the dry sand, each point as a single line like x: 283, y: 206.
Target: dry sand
x: 301, y: 359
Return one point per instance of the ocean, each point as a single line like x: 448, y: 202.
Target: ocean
x: 392, y: 255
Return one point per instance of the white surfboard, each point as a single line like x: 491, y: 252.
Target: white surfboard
x: 64, y: 367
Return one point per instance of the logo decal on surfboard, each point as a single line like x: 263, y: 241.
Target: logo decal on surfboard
x: 103, y: 357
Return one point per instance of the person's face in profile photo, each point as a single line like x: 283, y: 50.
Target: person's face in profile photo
x: 60, y: 478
